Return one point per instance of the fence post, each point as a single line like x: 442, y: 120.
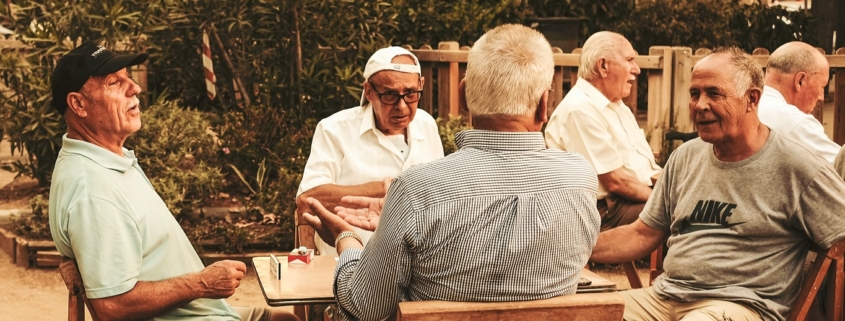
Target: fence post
x: 659, y: 98
x: 447, y: 83
x: 557, y: 85
x: 427, y: 72
x: 839, y: 103
x: 682, y: 69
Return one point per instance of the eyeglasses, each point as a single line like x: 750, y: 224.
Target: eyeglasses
x: 393, y: 98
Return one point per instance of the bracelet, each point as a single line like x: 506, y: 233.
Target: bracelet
x: 346, y: 234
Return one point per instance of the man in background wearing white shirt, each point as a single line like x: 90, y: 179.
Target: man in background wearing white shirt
x: 796, y: 75
x: 593, y: 121
x: 355, y: 149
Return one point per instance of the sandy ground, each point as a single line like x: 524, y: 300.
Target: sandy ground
x: 40, y: 294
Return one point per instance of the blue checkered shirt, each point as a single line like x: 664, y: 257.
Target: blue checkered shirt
x: 502, y: 219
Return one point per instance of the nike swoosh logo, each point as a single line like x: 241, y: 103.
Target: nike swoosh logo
x: 689, y: 228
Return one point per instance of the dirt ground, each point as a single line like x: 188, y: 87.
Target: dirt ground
x: 40, y: 294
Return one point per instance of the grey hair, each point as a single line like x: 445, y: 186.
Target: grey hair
x: 602, y: 44
x: 794, y: 60
x: 508, y: 69
x: 747, y: 73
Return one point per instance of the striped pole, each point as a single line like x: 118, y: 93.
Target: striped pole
x: 208, y: 69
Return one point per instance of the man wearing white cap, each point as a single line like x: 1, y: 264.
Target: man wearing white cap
x: 355, y: 149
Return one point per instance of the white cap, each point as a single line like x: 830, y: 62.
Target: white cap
x: 381, y: 60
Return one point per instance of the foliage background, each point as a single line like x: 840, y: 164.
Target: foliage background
x: 296, y: 61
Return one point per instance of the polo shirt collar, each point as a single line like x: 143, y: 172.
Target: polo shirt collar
x: 368, y: 123
x: 99, y: 155
x: 594, y: 94
x: 502, y: 141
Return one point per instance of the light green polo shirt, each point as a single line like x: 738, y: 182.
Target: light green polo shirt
x: 105, y: 213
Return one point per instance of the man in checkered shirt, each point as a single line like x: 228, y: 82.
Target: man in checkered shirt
x: 502, y: 219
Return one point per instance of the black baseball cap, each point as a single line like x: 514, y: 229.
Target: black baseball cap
x: 89, y: 59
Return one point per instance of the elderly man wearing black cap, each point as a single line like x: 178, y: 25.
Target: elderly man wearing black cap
x: 134, y: 258
x: 356, y: 148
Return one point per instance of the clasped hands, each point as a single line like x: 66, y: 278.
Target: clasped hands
x: 358, y: 211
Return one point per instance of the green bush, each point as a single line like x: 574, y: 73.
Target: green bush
x: 34, y: 127
x: 177, y: 152
x: 447, y: 129
x: 35, y: 226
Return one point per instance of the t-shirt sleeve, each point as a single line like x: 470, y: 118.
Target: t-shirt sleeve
x: 589, y: 137
x: 323, y: 166
x: 839, y: 163
x: 107, y: 246
x: 821, y: 212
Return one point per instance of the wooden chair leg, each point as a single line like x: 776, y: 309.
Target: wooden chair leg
x: 631, y: 272
x: 301, y: 312
x: 835, y: 295
x: 75, y: 308
x: 656, y: 266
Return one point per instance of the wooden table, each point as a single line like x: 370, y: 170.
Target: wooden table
x: 311, y: 283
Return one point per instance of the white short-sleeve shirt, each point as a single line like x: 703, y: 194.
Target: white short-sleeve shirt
x: 348, y: 149
x: 606, y: 133
x: 793, y: 124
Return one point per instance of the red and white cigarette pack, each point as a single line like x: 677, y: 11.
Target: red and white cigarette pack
x: 301, y: 256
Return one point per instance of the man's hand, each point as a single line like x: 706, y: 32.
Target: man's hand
x: 219, y: 280
x: 363, y: 212
x: 327, y: 224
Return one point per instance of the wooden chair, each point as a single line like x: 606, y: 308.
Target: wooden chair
x: 76, y: 291
x: 576, y: 307
x: 831, y: 263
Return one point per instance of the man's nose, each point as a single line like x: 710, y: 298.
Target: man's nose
x: 401, y: 104
x: 636, y: 70
x: 134, y: 89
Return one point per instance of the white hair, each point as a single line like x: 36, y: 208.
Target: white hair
x: 508, y: 69
x: 602, y: 44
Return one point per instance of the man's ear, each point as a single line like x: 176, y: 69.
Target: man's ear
x: 799, y: 81
x: 422, y: 83
x: 601, y: 65
x: 754, y: 95
x: 76, y: 105
x: 462, y: 97
x: 541, y: 115
x: 369, y: 93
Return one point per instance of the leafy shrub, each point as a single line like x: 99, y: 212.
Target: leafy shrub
x: 34, y: 127
x: 447, y: 129
x: 35, y: 226
x: 177, y: 152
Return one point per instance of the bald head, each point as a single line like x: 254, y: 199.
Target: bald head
x: 799, y: 72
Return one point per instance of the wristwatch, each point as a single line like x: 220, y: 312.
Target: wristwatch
x: 346, y: 234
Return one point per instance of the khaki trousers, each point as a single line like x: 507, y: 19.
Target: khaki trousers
x: 617, y: 211
x: 644, y: 305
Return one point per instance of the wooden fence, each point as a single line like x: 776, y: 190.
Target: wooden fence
x: 668, y: 71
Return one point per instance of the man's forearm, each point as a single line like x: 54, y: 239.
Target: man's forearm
x: 149, y: 299
x: 625, y: 186
x: 330, y: 194
x: 626, y: 243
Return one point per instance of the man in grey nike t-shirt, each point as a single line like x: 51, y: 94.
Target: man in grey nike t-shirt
x: 739, y: 209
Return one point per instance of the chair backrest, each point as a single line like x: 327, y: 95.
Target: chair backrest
x: 829, y: 262
x: 76, y: 291
x: 576, y: 307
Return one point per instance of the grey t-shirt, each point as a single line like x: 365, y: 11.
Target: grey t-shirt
x: 740, y: 231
